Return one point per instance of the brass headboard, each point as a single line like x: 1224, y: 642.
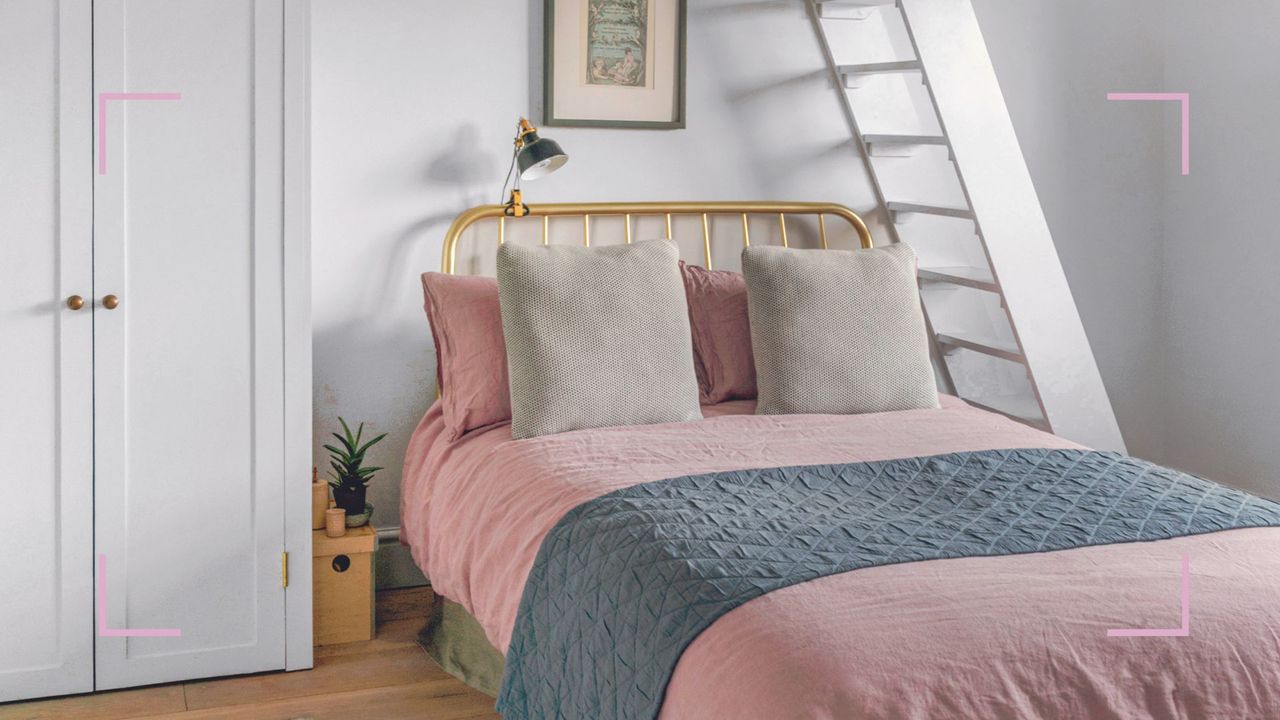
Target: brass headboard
x: 777, y: 210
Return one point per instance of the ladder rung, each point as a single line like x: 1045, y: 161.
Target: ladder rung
x: 831, y: 9
x: 910, y: 207
x: 899, y: 66
x: 974, y: 277
x: 896, y: 66
x: 986, y: 347
x: 1022, y: 408
x: 882, y: 139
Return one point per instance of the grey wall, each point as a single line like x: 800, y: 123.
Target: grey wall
x: 1173, y: 274
x: 1221, y: 245
x: 1098, y: 168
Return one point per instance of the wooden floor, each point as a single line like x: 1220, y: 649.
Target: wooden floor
x: 386, y: 678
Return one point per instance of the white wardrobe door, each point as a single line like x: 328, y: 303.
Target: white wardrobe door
x: 188, y: 367
x: 46, y: 405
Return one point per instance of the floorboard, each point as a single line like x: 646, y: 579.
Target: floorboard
x: 387, y: 678
x: 112, y: 705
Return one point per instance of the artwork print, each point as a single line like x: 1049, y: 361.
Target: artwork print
x: 614, y: 63
x: 618, y: 43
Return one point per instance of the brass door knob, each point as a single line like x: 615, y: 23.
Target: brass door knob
x: 75, y: 302
x: 110, y: 302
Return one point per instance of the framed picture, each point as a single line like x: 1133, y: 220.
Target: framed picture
x: 614, y: 63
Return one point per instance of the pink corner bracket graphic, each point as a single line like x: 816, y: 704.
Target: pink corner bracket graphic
x: 105, y: 631
x: 1185, y: 99
x: 1183, y: 631
x: 105, y: 97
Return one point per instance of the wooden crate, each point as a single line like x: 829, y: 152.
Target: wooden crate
x: 343, y: 576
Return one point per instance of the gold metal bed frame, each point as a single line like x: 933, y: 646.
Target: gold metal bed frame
x: 628, y: 210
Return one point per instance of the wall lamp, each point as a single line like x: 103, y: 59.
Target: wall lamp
x: 534, y: 157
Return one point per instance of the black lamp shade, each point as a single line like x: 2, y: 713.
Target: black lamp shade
x: 539, y: 157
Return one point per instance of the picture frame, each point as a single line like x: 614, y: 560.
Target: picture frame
x: 614, y: 63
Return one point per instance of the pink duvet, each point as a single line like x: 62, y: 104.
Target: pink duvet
x: 1021, y: 636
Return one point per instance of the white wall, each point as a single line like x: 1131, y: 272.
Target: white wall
x: 415, y: 103
x: 414, y: 108
x: 1222, y: 246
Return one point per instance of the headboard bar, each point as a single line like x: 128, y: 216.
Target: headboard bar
x: 448, y: 261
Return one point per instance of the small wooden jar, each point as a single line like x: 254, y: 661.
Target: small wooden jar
x: 335, y: 522
x: 319, y: 504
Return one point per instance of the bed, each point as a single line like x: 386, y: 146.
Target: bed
x: 1022, y: 634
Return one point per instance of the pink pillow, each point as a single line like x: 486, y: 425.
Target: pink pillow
x: 471, y: 356
x: 721, y: 334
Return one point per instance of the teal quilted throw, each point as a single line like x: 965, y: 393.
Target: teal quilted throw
x: 623, y: 583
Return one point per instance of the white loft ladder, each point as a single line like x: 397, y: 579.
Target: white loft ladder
x: 1006, y: 332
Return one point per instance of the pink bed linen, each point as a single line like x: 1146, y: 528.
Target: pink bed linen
x: 1013, y: 636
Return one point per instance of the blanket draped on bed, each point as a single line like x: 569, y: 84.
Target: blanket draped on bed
x: 623, y: 583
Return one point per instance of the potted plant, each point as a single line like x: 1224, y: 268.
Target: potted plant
x: 348, y: 479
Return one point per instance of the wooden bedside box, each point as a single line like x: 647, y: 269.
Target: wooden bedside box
x: 342, y: 609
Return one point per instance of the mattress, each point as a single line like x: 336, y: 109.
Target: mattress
x: 1010, y: 636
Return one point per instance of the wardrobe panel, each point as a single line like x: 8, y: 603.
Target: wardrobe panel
x: 189, y: 484
x: 46, y: 606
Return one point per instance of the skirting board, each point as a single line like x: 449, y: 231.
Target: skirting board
x: 393, y: 564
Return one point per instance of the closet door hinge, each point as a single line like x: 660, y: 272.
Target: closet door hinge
x: 284, y: 569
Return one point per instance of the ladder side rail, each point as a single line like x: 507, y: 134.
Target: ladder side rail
x: 815, y: 18
x: 968, y: 200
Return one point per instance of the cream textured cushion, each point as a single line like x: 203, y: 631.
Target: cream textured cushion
x: 837, y: 332
x: 595, y: 337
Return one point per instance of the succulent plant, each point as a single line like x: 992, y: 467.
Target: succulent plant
x: 346, y: 461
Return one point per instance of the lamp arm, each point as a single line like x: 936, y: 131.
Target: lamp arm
x: 510, y: 169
